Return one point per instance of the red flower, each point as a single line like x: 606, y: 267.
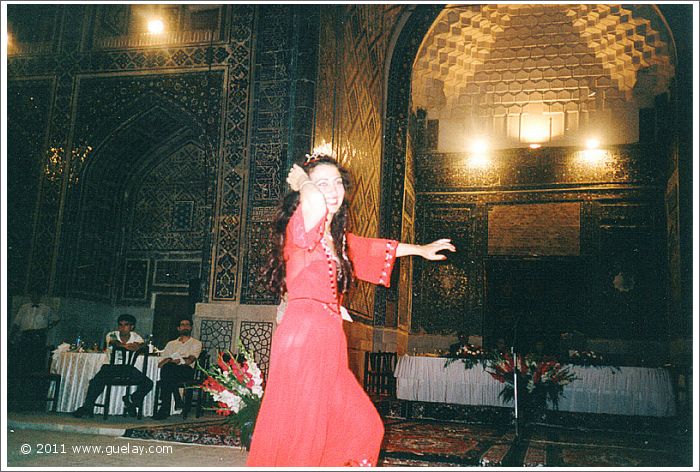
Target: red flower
x: 498, y: 377
x: 211, y: 384
x: 222, y: 364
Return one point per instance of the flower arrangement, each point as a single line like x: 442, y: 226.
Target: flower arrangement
x: 585, y: 357
x: 539, y: 379
x: 237, y: 387
x: 469, y: 354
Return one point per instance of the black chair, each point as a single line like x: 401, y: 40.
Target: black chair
x: 124, y: 357
x: 193, y: 394
x: 38, y: 382
x: 379, y: 373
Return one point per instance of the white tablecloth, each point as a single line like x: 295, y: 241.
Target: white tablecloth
x: 426, y: 379
x: 624, y: 391
x: 628, y: 391
x: 76, y: 370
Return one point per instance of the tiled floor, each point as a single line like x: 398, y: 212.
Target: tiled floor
x: 59, y: 440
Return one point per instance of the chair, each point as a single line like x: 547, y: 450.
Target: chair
x: 34, y: 382
x: 126, y: 358
x: 379, y: 373
x: 193, y: 394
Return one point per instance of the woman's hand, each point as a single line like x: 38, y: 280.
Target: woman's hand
x: 427, y: 251
x: 430, y: 251
x: 296, y: 177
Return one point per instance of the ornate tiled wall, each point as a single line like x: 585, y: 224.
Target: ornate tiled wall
x: 216, y: 336
x: 26, y: 128
x: 281, y: 123
x: 256, y: 336
x: 201, y: 95
x: 350, y: 117
x: 134, y: 80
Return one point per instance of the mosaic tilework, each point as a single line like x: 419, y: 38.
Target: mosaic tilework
x: 30, y: 100
x: 71, y: 61
x: 569, y: 64
x: 173, y: 273
x: 43, y: 247
x: 170, y: 212
x: 452, y: 287
x: 138, y: 119
x: 135, y: 279
x: 216, y: 335
x: 256, y: 336
x: 235, y: 155
x: 354, y: 114
x: 404, y: 288
x: 515, y: 168
x: 397, y: 190
x: 182, y: 215
x: 281, y: 126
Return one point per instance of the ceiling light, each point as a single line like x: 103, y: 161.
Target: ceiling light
x: 592, y: 143
x: 479, y: 146
x: 156, y: 26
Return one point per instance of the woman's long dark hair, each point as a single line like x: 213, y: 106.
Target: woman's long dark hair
x: 275, y: 271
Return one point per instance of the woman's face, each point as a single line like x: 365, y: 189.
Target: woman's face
x: 330, y: 183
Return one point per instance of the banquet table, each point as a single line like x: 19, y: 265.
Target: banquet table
x: 76, y: 370
x: 639, y: 391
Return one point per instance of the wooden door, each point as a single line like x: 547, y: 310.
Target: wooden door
x: 168, y: 308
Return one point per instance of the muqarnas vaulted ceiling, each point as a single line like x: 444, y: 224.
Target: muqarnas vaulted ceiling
x: 520, y: 73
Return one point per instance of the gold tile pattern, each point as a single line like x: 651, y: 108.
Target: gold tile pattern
x: 573, y: 63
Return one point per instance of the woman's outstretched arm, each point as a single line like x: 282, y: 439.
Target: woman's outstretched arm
x: 427, y: 251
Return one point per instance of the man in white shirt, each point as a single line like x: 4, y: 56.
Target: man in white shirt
x: 28, y: 334
x: 126, y: 338
x: 177, y: 365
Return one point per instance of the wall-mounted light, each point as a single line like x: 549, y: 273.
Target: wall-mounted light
x: 479, y: 161
x: 156, y: 26
x: 479, y: 146
x: 593, y: 155
x: 592, y: 143
x: 55, y: 162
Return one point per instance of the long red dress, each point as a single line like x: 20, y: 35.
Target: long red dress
x: 314, y: 411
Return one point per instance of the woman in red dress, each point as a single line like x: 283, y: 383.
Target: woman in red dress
x: 314, y: 412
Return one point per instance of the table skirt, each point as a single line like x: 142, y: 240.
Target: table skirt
x: 77, y: 368
x: 613, y: 390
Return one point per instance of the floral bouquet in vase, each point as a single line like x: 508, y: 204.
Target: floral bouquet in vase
x: 586, y: 358
x: 539, y: 379
x: 469, y: 354
x: 236, y: 384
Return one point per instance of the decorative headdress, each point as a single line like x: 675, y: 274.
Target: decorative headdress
x: 318, y: 152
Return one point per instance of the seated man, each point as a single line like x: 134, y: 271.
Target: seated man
x: 177, y: 365
x: 126, y: 338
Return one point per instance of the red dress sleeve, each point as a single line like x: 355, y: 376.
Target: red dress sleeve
x: 298, y: 234
x: 372, y: 258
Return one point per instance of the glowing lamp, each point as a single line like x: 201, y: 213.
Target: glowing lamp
x: 592, y: 143
x: 156, y: 26
x: 479, y: 146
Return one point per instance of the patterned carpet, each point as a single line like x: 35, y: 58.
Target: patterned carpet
x: 556, y: 447
x: 215, y: 432
x: 406, y: 443
x: 428, y: 442
x: 433, y: 443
